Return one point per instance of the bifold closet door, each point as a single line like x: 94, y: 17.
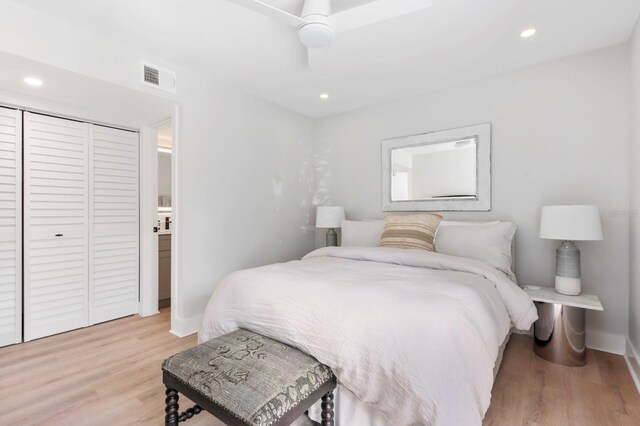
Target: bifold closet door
x: 56, y: 219
x: 114, y: 224
x: 10, y: 226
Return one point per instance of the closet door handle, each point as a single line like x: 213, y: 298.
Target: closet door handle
x: 59, y: 235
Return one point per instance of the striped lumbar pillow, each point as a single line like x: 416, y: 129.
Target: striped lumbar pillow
x: 410, y: 232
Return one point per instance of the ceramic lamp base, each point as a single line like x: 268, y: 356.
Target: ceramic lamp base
x: 332, y: 238
x: 567, y: 285
x: 568, y: 269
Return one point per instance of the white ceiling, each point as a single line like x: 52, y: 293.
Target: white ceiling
x: 80, y: 96
x: 454, y: 41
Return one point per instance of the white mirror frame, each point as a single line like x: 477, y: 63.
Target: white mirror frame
x: 482, y: 134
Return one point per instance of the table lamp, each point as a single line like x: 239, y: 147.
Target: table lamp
x: 569, y: 223
x: 330, y: 217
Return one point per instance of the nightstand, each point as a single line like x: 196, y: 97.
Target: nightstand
x: 559, y: 334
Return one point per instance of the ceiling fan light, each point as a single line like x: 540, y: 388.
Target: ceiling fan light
x: 316, y: 35
x: 33, y: 81
x: 528, y: 33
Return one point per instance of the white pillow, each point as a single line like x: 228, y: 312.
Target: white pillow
x: 357, y: 233
x: 488, y: 242
x: 445, y: 222
x: 466, y: 222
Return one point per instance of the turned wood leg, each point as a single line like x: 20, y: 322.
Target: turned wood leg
x: 171, y: 407
x: 183, y: 417
x: 327, y: 409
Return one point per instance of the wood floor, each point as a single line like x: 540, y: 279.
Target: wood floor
x: 532, y: 391
x: 110, y: 375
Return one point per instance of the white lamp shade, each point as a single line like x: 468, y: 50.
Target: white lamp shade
x: 329, y: 217
x: 571, y: 223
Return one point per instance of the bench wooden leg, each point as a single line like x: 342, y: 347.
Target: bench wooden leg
x: 171, y: 407
x: 327, y: 409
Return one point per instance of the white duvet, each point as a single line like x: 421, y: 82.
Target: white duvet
x: 411, y: 333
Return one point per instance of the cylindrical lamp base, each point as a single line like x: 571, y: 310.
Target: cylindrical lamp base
x: 568, y: 269
x: 332, y: 238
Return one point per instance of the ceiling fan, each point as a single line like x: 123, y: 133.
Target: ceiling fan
x: 317, y: 26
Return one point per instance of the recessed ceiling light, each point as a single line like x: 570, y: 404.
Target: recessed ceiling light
x: 32, y: 81
x: 324, y: 96
x: 528, y: 32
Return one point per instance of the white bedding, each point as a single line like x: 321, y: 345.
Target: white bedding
x: 411, y: 333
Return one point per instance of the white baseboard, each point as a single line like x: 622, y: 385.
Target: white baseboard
x: 595, y: 340
x: 606, y: 342
x: 633, y: 363
x: 183, y: 327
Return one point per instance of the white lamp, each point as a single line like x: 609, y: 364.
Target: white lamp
x: 569, y: 223
x: 330, y: 217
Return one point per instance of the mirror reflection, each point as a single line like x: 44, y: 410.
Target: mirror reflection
x: 164, y: 166
x: 442, y: 170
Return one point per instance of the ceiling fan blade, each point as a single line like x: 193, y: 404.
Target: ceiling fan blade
x: 375, y: 11
x: 273, y: 12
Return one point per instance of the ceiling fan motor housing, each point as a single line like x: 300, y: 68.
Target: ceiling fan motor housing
x: 317, y: 34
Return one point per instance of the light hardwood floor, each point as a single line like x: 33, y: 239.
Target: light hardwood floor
x: 110, y: 375
x: 532, y: 391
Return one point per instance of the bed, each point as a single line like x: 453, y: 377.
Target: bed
x: 414, y: 337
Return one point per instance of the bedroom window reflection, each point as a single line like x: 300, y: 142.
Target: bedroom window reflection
x: 444, y: 170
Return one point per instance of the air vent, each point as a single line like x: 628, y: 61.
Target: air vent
x: 159, y: 78
x: 151, y: 75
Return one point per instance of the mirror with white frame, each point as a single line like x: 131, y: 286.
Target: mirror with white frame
x: 445, y: 170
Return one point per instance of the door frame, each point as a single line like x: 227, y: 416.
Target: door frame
x: 149, y: 217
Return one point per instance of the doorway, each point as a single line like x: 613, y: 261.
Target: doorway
x: 164, y: 135
x: 159, y: 222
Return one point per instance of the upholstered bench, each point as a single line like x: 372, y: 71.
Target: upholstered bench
x: 244, y: 378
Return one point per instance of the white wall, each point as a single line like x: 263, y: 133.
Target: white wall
x: 245, y: 190
x: 242, y: 163
x: 559, y: 135
x: 634, y: 217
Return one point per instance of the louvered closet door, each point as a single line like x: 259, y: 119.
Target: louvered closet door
x: 56, y: 218
x: 114, y: 226
x: 10, y: 226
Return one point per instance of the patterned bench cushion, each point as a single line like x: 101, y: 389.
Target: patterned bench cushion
x: 254, y: 378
